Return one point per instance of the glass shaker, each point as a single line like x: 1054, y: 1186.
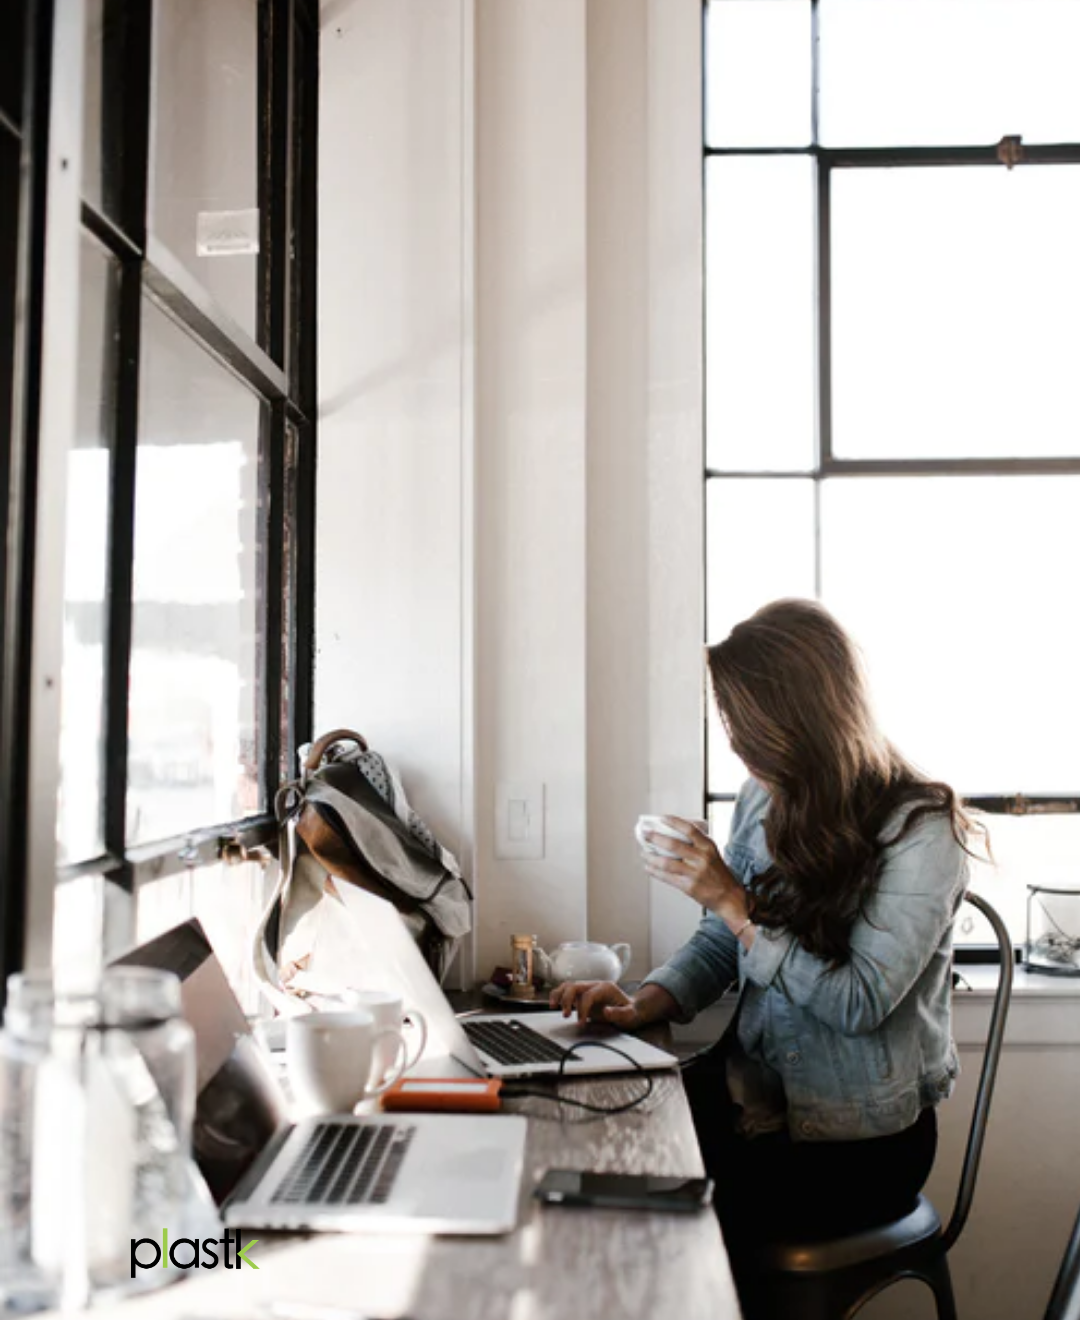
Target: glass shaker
x: 110, y: 1123
x: 522, y: 954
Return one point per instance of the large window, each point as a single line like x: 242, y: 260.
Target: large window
x: 892, y: 203
x: 181, y: 608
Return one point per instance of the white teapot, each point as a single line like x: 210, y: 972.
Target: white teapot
x: 583, y: 960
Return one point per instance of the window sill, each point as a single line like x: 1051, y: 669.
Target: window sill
x: 1045, y: 1010
x: 983, y: 978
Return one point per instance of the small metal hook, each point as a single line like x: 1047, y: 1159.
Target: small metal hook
x: 1010, y: 151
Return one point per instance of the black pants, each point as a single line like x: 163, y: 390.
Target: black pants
x: 770, y: 1187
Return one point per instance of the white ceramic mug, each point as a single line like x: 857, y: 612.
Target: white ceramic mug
x: 657, y: 825
x: 388, y: 1010
x: 330, y: 1059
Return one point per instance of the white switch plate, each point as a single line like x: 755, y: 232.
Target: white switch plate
x: 519, y: 821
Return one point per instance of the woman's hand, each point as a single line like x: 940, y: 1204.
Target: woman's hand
x: 604, y: 1001
x: 697, y: 869
x: 597, y: 1001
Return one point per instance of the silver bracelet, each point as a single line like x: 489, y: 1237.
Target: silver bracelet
x: 738, y: 933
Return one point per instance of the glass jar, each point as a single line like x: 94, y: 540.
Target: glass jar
x: 1052, y: 940
x: 109, y: 1123
x: 23, y: 1285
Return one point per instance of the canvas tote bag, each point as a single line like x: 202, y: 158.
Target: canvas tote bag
x: 346, y: 821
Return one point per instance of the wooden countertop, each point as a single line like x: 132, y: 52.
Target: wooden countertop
x: 560, y: 1263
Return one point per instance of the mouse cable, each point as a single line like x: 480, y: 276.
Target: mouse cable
x: 512, y: 1090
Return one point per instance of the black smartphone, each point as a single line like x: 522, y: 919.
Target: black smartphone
x: 625, y: 1191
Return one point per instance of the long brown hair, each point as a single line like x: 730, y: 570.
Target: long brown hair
x: 790, y: 690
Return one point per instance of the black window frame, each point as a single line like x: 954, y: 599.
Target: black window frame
x: 1010, y: 152
x: 278, y: 365
x: 25, y: 134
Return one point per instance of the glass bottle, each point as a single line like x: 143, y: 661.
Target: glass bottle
x: 113, y: 1097
x: 24, y: 1286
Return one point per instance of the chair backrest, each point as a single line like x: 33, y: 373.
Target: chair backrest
x: 987, y: 1074
x: 1065, y: 1299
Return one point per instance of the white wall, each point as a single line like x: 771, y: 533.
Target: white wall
x: 395, y: 386
x: 511, y: 591
x: 617, y: 465
x: 675, y: 430
x: 1028, y: 1192
x: 532, y: 319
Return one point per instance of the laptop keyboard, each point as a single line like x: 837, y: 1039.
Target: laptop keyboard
x: 346, y: 1164
x: 513, y: 1042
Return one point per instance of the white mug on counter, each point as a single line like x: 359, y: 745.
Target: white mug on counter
x: 330, y: 1058
x: 388, y: 1010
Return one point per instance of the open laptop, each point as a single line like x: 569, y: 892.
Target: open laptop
x: 486, y: 1044
x: 436, y: 1173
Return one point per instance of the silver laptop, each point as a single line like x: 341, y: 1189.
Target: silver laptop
x: 436, y: 1173
x: 486, y: 1044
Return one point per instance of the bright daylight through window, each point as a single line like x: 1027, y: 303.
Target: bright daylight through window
x: 892, y: 198
x: 186, y: 543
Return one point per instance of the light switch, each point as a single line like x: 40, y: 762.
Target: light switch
x: 519, y: 821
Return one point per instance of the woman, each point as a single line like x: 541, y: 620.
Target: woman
x: 832, y: 907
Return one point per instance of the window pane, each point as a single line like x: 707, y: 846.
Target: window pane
x: 193, y: 756
x: 759, y: 263
x: 92, y: 105
x: 960, y: 590
x: 955, y: 331
x: 930, y: 72
x: 301, y: 337
x: 79, y: 809
x: 720, y: 814
x: 11, y: 59
x: 228, y: 900
x: 9, y: 238
x: 759, y: 547
x: 758, y: 73
x: 1027, y: 850
x: 289, y: 591
x: 205, y: 151
x: 107, y: 27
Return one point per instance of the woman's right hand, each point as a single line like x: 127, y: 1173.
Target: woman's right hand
x: 597, y: 1001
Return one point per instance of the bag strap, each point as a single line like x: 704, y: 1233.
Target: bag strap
x: 287, y: 805
x: 321, y: 746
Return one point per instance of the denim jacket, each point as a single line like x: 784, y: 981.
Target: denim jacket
x: 848, y: 1053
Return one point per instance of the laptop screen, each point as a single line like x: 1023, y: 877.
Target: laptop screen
x: 239, y: 1104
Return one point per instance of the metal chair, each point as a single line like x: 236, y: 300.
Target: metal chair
x: 832, y: 1279
x: 1065, y: 1299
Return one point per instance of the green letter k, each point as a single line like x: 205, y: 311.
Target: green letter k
x: 241, y: 1255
